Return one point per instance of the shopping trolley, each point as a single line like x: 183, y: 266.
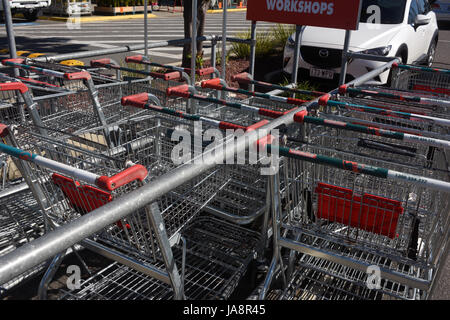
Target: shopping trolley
x: 154, y: 147
x: 350, y: 210
x: 242, y: 199
x: 423, y: 80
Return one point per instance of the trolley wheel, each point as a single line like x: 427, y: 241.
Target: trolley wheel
x: 31, y: 15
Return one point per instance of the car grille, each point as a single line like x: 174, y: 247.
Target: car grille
x: 312, y: 56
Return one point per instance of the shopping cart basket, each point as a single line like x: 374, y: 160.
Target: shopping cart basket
x: 428, y: 81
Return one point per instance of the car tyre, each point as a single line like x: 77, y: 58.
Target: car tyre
x: 401, y: 55
x: 431, y: 53
x: 31, y: 15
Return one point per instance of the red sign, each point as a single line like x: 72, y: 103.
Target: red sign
x: 339, y: 14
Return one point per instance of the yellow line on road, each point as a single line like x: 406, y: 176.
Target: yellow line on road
x: 98, y: 18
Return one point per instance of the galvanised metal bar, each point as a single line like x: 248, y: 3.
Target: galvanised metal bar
x: 224, y: 36
x: 296, y: 54
x: 193, y: 42
x: 252, y: 52
x: 100, y: 52
x: 345, y: 58
x: 10, y: 32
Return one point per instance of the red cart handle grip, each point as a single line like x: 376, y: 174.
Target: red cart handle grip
x: 136, y: 59
x: 343, y: 89
x: 100, y: 62
x: 136, y: 172
x: 13, y: 60
x: 12, y: 86
x: 299, y: 117
x: 270, y: 113
x: 257, y: 125
x: 136, y: 100
x: 178, y: 91
x: 4, y: 130
x: 241, y: 78
x: 205, y: 71
x: 263, y: 142
x: 212, y: 84
x: 323, y: 100
x: 175, y: 75
x: 82, y: 75
x: 227, y: 125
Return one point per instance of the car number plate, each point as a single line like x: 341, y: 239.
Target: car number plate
x: 321, y: 73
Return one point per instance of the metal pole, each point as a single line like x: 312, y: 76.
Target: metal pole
x: 100, y: 52
x: 10, y: 32
x: 193, y: 40
x: 147, y: 68
x: 224, y: 37
x: 296, y: 55
x: 344, y: 57
x: 252, y: 53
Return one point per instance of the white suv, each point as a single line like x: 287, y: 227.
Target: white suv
x: 402, y: 28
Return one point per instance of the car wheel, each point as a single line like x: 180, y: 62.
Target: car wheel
x: 31, y: 15
x: 403, y: 60
x: 431, y: 53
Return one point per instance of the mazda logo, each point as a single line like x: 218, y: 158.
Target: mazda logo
x: 323, y: 53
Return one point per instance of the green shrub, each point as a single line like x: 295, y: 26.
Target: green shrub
x: 304, y: 85
x: 266, y: 42
x: 264, y: 45
x: 280, y: 34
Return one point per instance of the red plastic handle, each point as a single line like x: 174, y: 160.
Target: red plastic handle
x: 300, y: 116
x: 178, y: 91
x: 295, y: 101
x: 136, y: 172
x: 257, y: 125
x: 205, y: 71
x: 136, y: 100
x: 226, y: 125
x: 343, y: 89
x: 241, y: 78
x: 270, y: 113
x: 4, y: 131
x: 323, y: 100
x: 136, y: 59
x: 82, y: 75
x: 263, y: 142
x: 100, y: 62
x: 38, y: 82
x: 15, y: 60
x: 212, y: 84
x: 12, y: 86
x: 175, y: 75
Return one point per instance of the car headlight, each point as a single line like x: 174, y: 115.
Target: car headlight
x: 380, y: 51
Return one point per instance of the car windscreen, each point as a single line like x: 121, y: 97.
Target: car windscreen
x: 383, y: 11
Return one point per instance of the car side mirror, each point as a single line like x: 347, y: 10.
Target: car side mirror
x: 421, y: 20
